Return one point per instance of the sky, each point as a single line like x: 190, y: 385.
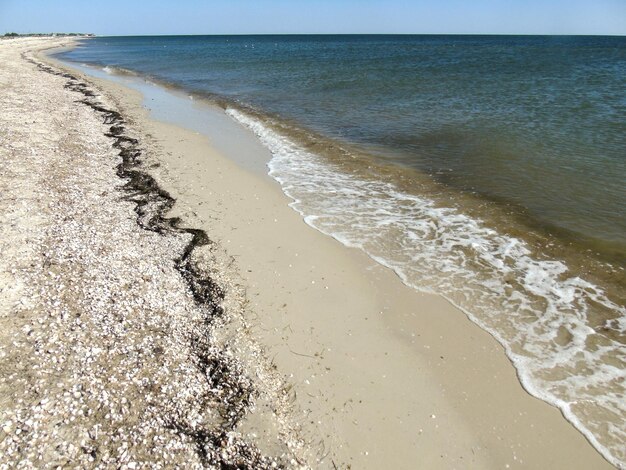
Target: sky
x: 137, y: 17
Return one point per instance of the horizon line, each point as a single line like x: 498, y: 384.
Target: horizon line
x: 362, y: 34
x: 318, y: 34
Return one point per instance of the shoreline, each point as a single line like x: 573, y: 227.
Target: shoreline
x: 215, y: 114
x: 362, y: 263
x: 542, y: 299
x: 362, y: 259
x: 383, y: 375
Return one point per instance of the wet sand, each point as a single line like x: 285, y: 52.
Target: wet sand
x: 378, y: 374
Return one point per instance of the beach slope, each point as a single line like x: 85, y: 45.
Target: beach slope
x: 117, y: 343
x: 233, y: 334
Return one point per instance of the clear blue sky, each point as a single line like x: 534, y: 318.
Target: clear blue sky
x: 114, y: 17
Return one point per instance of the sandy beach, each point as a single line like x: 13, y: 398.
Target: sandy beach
x: 234, y: 335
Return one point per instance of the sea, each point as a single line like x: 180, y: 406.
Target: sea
x: 488, y: 169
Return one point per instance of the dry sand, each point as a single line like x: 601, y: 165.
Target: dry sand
x: 381, y: 376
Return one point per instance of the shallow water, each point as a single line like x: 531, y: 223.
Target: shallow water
x: 487, y: 169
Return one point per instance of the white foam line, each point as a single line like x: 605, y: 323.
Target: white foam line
x: 443, y: 244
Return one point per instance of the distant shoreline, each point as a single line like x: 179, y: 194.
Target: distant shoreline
x: 47, y: 35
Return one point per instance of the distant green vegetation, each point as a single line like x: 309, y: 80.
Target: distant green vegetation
x: 11, y: 35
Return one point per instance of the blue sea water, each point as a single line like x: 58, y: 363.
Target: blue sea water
x: 489, y: 169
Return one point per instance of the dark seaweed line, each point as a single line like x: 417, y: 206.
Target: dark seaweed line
x: 233, y: 396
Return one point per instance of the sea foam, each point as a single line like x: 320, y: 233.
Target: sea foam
x: 534, y: 307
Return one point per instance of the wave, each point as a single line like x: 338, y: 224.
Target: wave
x: 563, y: 333
x: 120, y: 71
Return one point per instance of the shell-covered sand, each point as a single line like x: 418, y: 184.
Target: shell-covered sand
x: 123, y: 342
